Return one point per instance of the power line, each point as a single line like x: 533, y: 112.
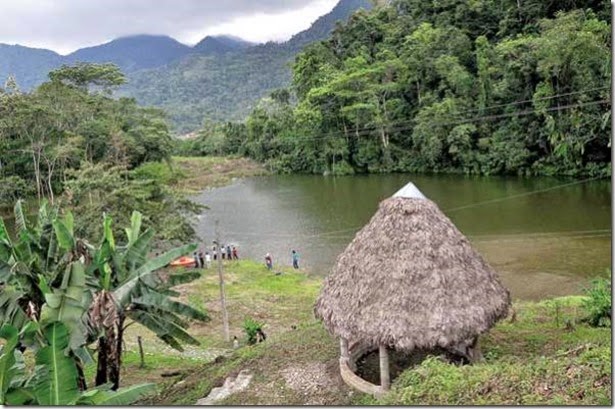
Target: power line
x: 501, y: 199
x: 393, y: 128
x: 454, y: 209
x: 375, y: 127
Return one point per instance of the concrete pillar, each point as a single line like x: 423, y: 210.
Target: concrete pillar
x: 385, y: 379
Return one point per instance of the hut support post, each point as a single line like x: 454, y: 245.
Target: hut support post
x: 344, y: 349
x: 474, y: 352
x: 385, y: 379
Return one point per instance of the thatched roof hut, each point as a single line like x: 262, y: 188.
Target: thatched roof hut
x: 411, y: 280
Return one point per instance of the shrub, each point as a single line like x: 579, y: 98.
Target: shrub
x: 598, y: 303
x: 251, y: 328
x: 13, y: 188
x: 158, y: 171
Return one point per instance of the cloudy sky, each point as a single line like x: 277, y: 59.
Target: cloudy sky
x: 66, y: 25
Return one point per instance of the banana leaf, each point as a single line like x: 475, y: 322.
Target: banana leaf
x: 7, y: 359
x: 123, y: 292
x: 55, y: 381
x: 123, y: 396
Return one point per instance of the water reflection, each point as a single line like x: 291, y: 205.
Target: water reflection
x: 544, y: 235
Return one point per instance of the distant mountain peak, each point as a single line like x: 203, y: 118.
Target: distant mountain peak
x: 222, y: 43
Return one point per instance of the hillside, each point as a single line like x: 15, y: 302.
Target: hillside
x: 221, y: 44
x: 133, y: 53
x: 29, y: 66
x: 219, y: 78
x: 224, y: 87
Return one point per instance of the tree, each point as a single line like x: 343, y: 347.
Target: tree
x: 86, y: 75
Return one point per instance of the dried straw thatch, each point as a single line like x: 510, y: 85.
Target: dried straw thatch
x: 410, y: 279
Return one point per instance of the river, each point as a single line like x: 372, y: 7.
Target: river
x: 545, y: 236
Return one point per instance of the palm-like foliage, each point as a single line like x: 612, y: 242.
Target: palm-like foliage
x: 129, y: 288
x: 28, y: 264
x: 48, y: 275
x: 54, y: 380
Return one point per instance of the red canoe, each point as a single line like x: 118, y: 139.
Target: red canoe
x: 183, y: 262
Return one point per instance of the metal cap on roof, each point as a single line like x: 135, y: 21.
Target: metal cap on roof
x: 410, y: 191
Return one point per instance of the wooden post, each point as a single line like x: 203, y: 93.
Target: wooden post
x: 385, y: 380
x: 474, y: 353
x: 344, y: 348
x: 227, y: 336
x: 142, y: 364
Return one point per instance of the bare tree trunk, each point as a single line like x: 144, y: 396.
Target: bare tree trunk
x: 37, y: 174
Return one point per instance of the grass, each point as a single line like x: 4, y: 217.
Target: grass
x: 531, y: 361
x: 198, y: 173
x: 542, y: 354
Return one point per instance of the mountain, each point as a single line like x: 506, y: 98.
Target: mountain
x: 220, y: 78
x: 220, y: 44
x: 28, y: 65
x: 227, y: 86
x: 322, y: 27
x: 134, y: 52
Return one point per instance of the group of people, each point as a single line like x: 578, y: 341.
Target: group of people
x: 203, y: 260
x: 228, y: 252
x: 295, y: 257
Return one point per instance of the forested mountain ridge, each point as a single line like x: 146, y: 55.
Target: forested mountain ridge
x: 132, y: 53
x: 29, y: 66
x: 219, y: 78
x: 221, y: 44
x: 487, y: 87
x: 224, y: 87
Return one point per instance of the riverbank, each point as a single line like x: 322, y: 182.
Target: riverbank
x: 199, y: 173
x: 541, y: 354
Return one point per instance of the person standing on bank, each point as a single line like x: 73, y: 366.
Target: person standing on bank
x: 201, y: 259
x: 295, y: 259
x: 228, y: 252
x: 235, y: 254
x: 207, y: 259
x: 269, y: 261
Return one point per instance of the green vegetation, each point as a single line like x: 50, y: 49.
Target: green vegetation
x: 69, y: 142
x: 193, y: 175
x: 54, y: 380
x: 598, y: 303
x: 85, y: 294
x: 480, y: 88
x: 227, y: 86
x: 531, y: 361
x: 251, y: 328
x: 70, y: 120
x: 530, y: 358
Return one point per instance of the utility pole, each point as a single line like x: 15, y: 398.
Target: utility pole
x: 227, y: 336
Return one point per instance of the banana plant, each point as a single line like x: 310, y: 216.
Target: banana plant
x: 128, y: 288
x: 28, y: 262
x: 48, y: 275
x: 54, y: 379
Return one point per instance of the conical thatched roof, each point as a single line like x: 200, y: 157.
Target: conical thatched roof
x: 410, y: 279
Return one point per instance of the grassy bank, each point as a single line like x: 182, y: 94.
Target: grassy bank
x: 541, y: 354
x: 191, y: 175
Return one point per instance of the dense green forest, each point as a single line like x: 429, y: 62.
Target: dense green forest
x: 481, y: 87
x: 69, y: 142
x: 227, y: 86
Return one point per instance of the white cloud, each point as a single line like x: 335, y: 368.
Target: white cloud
x: 262, y: 27
x: 65, y: 25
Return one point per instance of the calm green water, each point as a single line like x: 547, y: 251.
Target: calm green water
x: 543, y: 238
